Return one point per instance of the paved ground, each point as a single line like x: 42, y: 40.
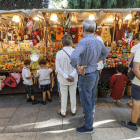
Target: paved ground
x: 22, y: 121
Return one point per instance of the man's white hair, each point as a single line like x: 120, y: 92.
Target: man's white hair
x: 89, y: 25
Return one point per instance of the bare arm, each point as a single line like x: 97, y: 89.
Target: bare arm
x: 136, y: 66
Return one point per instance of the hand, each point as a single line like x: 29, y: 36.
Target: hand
x: 72, y: 78
x: 82, y: 70
x: 69, y: 79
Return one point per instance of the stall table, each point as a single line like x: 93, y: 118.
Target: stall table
x: 20, y: 87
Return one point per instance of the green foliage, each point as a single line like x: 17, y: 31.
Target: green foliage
x: 23, y: 4
x: 95, y: 4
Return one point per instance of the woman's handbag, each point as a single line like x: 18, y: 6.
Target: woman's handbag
x: 131, y: 75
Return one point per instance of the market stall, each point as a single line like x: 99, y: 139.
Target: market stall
x: 37, y: 33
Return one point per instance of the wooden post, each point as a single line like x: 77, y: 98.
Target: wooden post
x: 114, y: 29
x: 18, y: 31
x: 45, y: 38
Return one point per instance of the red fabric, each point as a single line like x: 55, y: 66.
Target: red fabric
x: 117, y: 85
x: 34, y: 42
x: 120, y: 34
x: 132, y: 43
x: 34, y: 33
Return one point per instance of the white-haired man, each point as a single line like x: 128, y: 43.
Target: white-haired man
x: 84, y: 58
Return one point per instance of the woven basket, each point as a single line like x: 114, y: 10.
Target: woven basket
x: 128, y: 90
x: 104, y: 93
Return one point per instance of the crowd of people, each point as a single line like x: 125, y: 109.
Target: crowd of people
x: 83, y: 65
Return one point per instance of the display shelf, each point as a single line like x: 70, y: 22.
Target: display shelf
x: 5, y: 71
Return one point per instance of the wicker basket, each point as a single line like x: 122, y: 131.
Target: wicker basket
x: 128, y: 90
x: 104, y: 93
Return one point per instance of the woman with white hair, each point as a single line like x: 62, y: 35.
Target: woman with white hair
x: 67, y: 76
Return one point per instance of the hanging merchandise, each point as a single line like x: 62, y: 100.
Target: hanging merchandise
x: 74, y: 34
x: 10, y: 81
x: 80, y: 32
x: 67, y: 25
x: 39, y: 32
x: 53, y: 33
x: 16, y: 76
x: 40, y: 26
x: 31, y: 44
x: 34, y: 42
x: 2, y: 79
x: 22, y: 30
x: 59, y: 33
x: 121, y: 32
x: 30, y: 24
x: 34, y: 34
x: 34, y: 65
x: 106, y: 35
x: 34, y: 58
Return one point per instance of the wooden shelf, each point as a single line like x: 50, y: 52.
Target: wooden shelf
x: 5, y: 71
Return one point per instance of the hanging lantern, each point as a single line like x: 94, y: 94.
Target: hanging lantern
x: 92, y: 17
x: 36, y: 18
x: 128, y: 17
x: 15, y: 18
x: 53, y: 17
x: 110, y: 17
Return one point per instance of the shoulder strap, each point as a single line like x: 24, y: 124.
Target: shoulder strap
x: 66, y: 53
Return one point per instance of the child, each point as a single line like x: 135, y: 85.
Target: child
x: 58, y: 85
x: 117, y: 83
x: 44, y: 80
x: 58, y: 88
x: 27, y: 81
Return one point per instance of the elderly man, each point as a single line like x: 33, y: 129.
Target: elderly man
x: 84, y: 58
x: 67, y: 76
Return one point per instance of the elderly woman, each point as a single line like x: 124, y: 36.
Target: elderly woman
x: 67, y: 76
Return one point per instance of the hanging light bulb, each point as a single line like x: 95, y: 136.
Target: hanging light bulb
x: 128, y: 17
x: 110, y: 17
x: 91, y: 17
x: 36, y: 18
x: 53, y: 17
x: 15, y: 18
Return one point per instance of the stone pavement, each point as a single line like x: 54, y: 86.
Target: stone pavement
x: 22, y: 121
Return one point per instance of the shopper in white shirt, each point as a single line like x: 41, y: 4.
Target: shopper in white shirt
x: 67, y: 76
x: 135, y: 94
x: 44, y: 80
x: 134, y: 49
x: 27, y: 81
